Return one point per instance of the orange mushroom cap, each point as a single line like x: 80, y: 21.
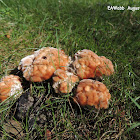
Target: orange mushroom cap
x: 64, y: 81
x: 92, y: 93
x: 10, y: 85
x: 43, y: 63
x: 105, y: 68
x: 85, y: 63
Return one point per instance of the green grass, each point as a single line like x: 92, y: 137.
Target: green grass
x: 75, y: 25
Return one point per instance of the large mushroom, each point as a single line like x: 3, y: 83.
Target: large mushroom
x: 87, y: 64
x: 64, y: 81
x: 92, y: 93
x: 43, y: 63
x: 9, y: 86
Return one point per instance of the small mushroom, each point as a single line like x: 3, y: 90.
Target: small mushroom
x: 43, y: 63
x: 10, y: 85
x: 64, y: 81
x: 92, y: 93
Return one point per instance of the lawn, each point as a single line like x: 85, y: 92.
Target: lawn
x: 26, y: 26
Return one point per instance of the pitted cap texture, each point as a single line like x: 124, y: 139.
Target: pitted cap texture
x: 43, y: 63
x: 10, y: 85
x: 64, y: 81
x: 92, y: 93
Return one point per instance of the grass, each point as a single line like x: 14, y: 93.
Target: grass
x: 74, y: 25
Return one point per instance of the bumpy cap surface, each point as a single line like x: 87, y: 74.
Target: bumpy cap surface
x: 10, y: 85
x: 64, y: 81
x: 105, y: 68
x: 92, y: 93
x: 85, y: 63
x: 43, y: 63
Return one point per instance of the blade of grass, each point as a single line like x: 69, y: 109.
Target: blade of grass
x: 133, y: 100
x: 3, y: 3
x: 132, y: 127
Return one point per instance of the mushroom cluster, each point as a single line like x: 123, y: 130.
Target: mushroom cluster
x: 49, y: 62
